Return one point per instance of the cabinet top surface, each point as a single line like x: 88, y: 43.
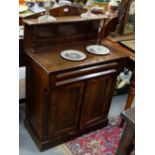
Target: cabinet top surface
x: 50, y: 60
x: 64, y: 19
x: 122, y: 48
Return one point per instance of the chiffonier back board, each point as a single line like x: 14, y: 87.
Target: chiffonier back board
x: 69, y: 27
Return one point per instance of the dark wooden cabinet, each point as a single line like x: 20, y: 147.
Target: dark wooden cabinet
x: 65, y: 98
x: 64, y: 104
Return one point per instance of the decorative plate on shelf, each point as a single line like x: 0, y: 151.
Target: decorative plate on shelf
x: 73, y: 55
x: 98, y: 49
x: 23, y: 8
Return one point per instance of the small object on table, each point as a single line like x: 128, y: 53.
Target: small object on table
x: 64, y: 2
x: 112, y: 8
x: 98, y: 9
x: 47, y: 17
x: 88, y: 15
x: 36, y: 8
x: 30, y: 3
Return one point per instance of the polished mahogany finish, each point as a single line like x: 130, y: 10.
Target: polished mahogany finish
x: 95, y: 104
x: 56, y: 35
x: 57, y: 12
x: 62, y: 31
x: 65, y: 98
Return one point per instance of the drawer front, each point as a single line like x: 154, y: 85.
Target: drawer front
x: 84, y: 74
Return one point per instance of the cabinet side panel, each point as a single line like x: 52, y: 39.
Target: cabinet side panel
x: 35, y: 101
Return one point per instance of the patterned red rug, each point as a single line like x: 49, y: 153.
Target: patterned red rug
x: 101, y: 142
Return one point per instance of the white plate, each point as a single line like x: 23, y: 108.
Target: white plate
x: 73, y: 55
x: 22, y: 8
x: 98, y: 49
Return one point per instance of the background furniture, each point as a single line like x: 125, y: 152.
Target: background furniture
x: 127, y: 140
x: 123, y: 29
x: 130, y: 64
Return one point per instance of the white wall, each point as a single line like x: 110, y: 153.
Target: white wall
x: 21, y: 82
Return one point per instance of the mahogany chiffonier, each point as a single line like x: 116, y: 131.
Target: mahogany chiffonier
x: 66, y: 99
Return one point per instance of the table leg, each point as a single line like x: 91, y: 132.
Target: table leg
x: 131, y: 94
x: 126, y: 140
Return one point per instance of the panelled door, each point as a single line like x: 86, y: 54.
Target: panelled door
x: 64, y: 109
x: 97, y: 99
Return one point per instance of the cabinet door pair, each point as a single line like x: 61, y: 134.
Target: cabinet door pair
x: 80, y: 105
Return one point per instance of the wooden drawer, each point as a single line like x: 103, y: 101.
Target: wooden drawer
x: 85, y: 73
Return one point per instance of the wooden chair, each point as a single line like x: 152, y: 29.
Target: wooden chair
x: 127, y: 141
x: 109, y: 26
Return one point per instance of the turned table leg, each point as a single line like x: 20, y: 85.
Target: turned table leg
x: 131, y: 94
